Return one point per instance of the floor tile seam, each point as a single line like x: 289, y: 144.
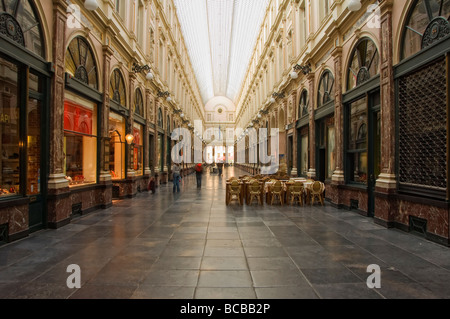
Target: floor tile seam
x: 391, y: 243
x: 247, y: 263
x: 298, y: 268
x: 389, y: 266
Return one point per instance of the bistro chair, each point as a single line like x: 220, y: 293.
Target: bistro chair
x: 317, y: 192
x: 255, y: 192
x: 297, y: 191
x: 276, y: 192
x: 234, y: 192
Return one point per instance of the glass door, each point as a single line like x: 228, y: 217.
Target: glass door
x: 374, y: 168
x: 34, y: 163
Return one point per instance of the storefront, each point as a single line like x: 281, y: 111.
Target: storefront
x: 24, y: 108
x: 324, y: 128
x: 303, y: 134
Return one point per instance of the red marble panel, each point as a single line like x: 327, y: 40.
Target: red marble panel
x: 16, y: 217
x: 437, y: 218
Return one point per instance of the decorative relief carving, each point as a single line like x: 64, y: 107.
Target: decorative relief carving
x: 10, y: 28
x: 437, y: 29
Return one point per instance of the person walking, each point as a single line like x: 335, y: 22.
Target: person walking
x: 199, y: 173
x: 176, y: 177
x: 220, y: 167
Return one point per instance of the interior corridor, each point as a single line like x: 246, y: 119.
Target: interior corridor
x: 192, y: 246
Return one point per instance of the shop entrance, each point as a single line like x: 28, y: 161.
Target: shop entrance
x: 23, y: 130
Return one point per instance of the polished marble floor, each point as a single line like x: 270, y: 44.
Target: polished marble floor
x: 192, y: 246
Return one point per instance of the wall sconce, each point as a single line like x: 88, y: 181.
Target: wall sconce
x: 182, y: 115
x: 130, y: 138
x: 166, y: 95
x: 91, y: 5
x: 277, y: 95
x: 138, y: 68
x: 354, y: 5
x: 306, y: 69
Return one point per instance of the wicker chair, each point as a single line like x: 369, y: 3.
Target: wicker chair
x: 277, y: 192
x: 317, y: 192
x: 297, y: 191
x: 255, y: 192
x: 235, y: 192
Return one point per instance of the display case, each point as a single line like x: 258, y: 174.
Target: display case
x: 10, y: 166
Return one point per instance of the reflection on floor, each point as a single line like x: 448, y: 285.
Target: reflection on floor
x: 192, y: 246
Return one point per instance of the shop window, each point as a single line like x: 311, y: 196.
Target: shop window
x: 423, y: 118
x: 427, y: 23
x: 117, y: 90
x: 304, y: 155
x: 364, y: 64
x: 159, y: 151
x: 138, y: 154
x: 80, y: 141
x: 160, y: 118
x: 303, y: 107
x: 80, y: 62
x: 34, y: 146
x: 22, y: 25
x: 10, y: 129
x: 357, y: 142
x: 117, y: 146
x: 139, y: 103
x: 326, y: 86
x: 331, y: 146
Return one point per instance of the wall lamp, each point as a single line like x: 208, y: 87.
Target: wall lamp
x: 277, y: 95
x: 91, y: 5
x: 129, y: 137
x: 166, y: 95
x: 306, y: 69
x: 354, y: 5
x: 139, y: 68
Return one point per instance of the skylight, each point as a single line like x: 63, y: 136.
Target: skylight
x: 220, y: 36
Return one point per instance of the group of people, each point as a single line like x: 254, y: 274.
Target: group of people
x: 176, y: 170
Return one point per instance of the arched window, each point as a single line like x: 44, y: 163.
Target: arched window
x: 364, y: 64
x: 20, y: 23
x: 160, y: 118
x: 427, y: 23
x: 80, y: 62
x: 326, y: 87
x: 138, y: 103
x: 117, y: 88
x: 303, y: 107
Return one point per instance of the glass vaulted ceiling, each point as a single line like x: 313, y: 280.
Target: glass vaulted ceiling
x: 220, y: 36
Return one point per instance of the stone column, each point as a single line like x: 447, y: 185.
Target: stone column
x: 105, y: 176
x: 294, y: 172
x: 312, y: 128
x: 156, y: 146
x: 386, y: 182
x: 166, y: 146
x: 59, y: 203
x: 338, y: 174
x: 148, y: 108
x: 130, y: 170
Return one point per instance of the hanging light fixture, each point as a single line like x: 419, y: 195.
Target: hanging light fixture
x: 354, y: 5
x: 91, y: 5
